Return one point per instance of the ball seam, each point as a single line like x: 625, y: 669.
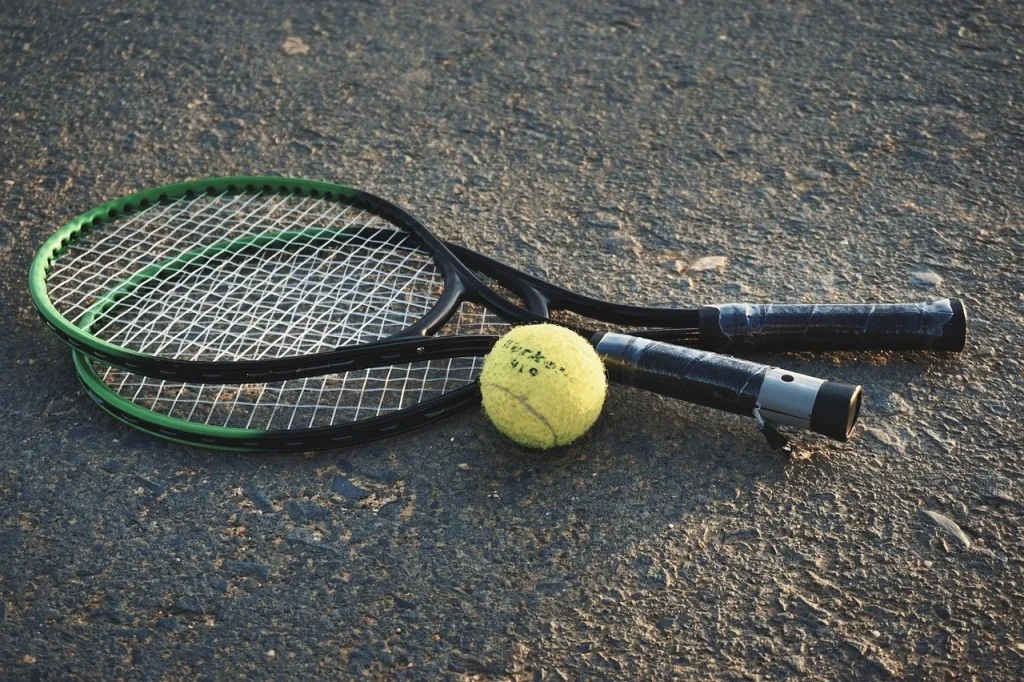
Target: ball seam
x: 529, y: 408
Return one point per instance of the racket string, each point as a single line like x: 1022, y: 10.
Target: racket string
x: 297, y: 302
x: 102, y: 251
x: 286, y: 298
x: 213, y: 286
x: 331, y: 274
x: 245, y: 285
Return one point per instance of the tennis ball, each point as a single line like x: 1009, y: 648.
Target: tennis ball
x: 543, y: 385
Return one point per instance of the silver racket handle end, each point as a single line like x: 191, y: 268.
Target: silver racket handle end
x: 830, y: 408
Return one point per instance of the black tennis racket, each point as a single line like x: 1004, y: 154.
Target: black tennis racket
x: 939, y: 325
x: 265, y: 278
x: 259, y: 278
x: 365, y: 404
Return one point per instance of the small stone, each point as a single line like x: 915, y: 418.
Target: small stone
x: 676, y: 266
x: 152, y: 486
x: 294, y: 46
x: 189, y: 605
x: 305, y: 511
x: 261, y: 500
x: 392, y: 510
x: 708, y: 263
x: 925, y: 278
x: 347, y: 489
x: 464, y: 466
x: 949, y: 527
x: 665, y: 624
x: 734, y: 289
x: 811, y: 174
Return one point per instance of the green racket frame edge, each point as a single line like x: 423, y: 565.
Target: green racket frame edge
x: 78, y: 336
x: 252, y: 440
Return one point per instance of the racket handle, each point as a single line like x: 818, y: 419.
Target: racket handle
x: 769, y: 394
x: 939, y: 325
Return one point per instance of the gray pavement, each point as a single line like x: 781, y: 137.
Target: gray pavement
x: 831, y: 151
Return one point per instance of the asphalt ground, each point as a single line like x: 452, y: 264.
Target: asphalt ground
x: 825, y: 151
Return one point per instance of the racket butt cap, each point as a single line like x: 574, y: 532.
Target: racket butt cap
x: 836, y: 409
x: 954, y: 332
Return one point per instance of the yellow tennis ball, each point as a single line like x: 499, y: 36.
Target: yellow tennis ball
x: 543, y: 385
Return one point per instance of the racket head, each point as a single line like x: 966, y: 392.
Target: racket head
x: 326, y: 411
x: 141, y: 282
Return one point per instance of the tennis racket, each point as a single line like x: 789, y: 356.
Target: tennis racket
x: 939, y: 325
x: 260, y: 278
x: 263, y: 278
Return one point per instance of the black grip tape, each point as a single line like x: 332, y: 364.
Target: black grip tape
x: 696, y: 376
x: 939, y: 325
